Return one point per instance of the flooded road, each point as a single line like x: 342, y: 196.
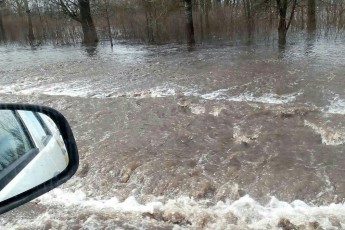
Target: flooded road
x: 224, y: 137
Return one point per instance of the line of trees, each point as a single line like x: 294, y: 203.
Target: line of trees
x: 155, y: 21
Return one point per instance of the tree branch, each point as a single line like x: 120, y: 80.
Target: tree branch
x: 292, y: 14
x: 68, y: 11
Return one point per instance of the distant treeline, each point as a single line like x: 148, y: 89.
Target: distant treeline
x: 162, y: 21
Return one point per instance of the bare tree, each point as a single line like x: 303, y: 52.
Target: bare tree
x: 107, y: 16
x: 284, y: 22
x: 31, y: 35
x: 149, y: 19
x: 311, y: 23
x: 201, y: 20
x: 2, y: 28
x: 247, y: 6
x: 302, y: 17
x: 207, y: 5
x: 80, y: 11
x: 103, y: 9
x: 189, y: 22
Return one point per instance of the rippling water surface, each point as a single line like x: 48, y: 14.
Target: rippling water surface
x: 223, y: 137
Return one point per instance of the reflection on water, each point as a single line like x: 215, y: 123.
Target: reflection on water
x: 17, y: 57
x: 310, y: 43
x: 281, y: 51
x: 26, y: 56
x: 91, y: 50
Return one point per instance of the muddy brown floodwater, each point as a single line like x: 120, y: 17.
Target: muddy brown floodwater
x: 219, y: 138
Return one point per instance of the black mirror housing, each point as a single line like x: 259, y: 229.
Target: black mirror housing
x: 70, y: 145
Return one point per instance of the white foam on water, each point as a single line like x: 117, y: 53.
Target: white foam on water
x: 60, y: 89
x: 217, y: 110
x: 22, y: 223
x: 241, y: 137
x: 216, y: 95
x: 329, y: 136
x: 337, y: 106
x: 72, y: 89
x: 197, y: 109
x: 156, y: 92
x: 79, y: 198
x: 162, y: 92
x: 268, y: 98
x: 87, y: 89
x: 244, y: 212
x: 7, y: 89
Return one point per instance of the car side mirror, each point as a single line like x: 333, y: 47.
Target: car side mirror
x: 38, y: 152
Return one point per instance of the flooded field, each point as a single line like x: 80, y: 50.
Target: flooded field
x: 224, y: 137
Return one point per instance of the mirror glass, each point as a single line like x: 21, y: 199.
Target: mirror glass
x: 32, y: 151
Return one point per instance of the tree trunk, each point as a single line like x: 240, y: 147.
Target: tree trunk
x: 281, y: 34
x: 149, y: 21
x: 341, y: 17
x: 41, y: 21
x: 147, y: 25
x: 189, y: 22
x: 311, y: 24
x: 302, y: 17
x: 156, y: 26
x: 31, y: 35
x: 207, y: 5
x: 247, y: 5
x: 88, y: 27
x: 284, y: 24
x: 201, y: 21
x: 109, y: 30
x: 272, y: 15
x: 107, y: 17
x: 282, y: 10
x: 2, y: 28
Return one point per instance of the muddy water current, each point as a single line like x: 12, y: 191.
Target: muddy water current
x: 223, y: 137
